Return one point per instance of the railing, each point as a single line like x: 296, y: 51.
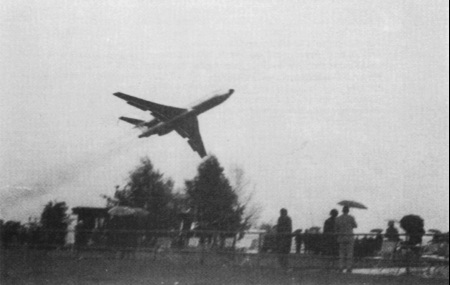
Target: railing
x: 253, y: 249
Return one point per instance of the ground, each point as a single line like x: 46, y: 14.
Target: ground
x: 43, y: 268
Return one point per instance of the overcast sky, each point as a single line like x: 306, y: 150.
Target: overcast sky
x: 334, y: 100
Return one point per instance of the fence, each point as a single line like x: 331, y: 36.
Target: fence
x: 252, y: 249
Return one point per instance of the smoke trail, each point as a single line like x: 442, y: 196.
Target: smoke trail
x: 45, y: 181
x: 68, y: 171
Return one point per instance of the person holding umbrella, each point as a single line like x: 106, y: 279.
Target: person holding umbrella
x: 345, y: 224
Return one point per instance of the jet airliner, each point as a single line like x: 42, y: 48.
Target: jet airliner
x: 167, y: 118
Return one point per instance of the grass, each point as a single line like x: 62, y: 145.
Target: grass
x: 54, y: 268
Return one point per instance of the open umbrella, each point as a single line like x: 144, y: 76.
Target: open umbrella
x: 378, y: 231
x: 121, y: 211
x: 414, y: 228
x: 139, y: 212
x: 352, y: 204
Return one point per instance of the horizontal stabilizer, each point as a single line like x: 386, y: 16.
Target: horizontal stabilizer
x: 135, y: 122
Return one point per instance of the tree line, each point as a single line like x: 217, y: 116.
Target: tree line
x: 214, y: 202
x: 211, y: 200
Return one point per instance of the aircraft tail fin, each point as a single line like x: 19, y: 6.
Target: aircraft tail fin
x: 132, y: 121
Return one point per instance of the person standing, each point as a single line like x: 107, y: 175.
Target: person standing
x: 345, y: 224
x: 392, y: 232
x: 298, y: 240
x: 329, y: 237
x: 284, y: 237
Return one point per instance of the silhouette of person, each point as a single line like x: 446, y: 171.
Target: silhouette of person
x: 298, y: 240
x: 329, y: 230
x: 284, y: 237
x: 392, y: 232
x: 345, y: 224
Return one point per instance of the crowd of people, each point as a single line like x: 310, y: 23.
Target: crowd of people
x: 336, y: 240
x: 339, y: 240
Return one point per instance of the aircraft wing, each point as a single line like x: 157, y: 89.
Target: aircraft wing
x: 161, y: 112
x: 188, y: 128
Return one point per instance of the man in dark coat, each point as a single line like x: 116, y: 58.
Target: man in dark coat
x: 284, y: 237
x: 329, y: 230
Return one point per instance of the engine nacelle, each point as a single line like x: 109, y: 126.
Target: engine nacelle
x: 151, y: 123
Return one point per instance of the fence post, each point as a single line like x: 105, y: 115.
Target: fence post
x: 3, y: 269
x: 258, y: 254
x: 233, y: 248
x: 202, y: 253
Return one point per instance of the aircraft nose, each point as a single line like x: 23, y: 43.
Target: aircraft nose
x: 225, y: 96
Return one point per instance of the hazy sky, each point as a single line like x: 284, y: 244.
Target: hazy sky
x: 334, y: 100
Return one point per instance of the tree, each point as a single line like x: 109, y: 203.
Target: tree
x: 212, y: 198
x: 54, y: 221
x: 147, y: 188
x: 250, y: 210
x: 10, y: 232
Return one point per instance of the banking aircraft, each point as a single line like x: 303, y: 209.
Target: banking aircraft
x: 167, y: 118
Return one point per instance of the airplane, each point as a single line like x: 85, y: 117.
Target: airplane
x: 167, y: 118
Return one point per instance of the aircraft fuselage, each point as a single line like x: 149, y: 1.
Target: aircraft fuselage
x: 163, y: 128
